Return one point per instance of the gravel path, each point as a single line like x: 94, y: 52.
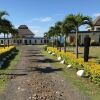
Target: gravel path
x: 34, y: 79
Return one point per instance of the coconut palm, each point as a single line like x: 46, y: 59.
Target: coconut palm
x: 58, y: 32
x: 51, y: 33
x: 77, y: 21
x: 14, y: 33
x: 66, y: 28
x: 2, y: 14
x: 6, y: 26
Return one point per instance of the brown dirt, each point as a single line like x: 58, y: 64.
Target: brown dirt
x: 34, y: 79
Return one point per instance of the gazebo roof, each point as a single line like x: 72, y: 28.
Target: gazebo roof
x: 22, y: 27
x: 96, y: 22
x: 24, y: 30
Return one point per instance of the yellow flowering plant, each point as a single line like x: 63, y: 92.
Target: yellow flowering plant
x: 92, y: 69
x: 6, y: 51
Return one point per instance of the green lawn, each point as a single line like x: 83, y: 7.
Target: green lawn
x: 94, y: 52
x: 85, y: 86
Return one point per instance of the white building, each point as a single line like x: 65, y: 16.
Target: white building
x: 24, y: 36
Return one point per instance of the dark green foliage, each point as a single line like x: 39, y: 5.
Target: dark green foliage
x: 45, y: 48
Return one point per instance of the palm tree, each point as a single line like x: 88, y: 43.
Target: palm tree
x: 66, y: 28
x: 58, y: 32
x: 51, y: 33
x: 2, y: 14
x: 77, y: 21
x: 6, y: 26
x: 14, y: 33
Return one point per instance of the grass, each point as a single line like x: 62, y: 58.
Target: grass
x: 85, y: 86
x: 94, y: 52
x: 3, y: 78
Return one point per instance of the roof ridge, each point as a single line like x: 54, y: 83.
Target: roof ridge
x: 96, y: 20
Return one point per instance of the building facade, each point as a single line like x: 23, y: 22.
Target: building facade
x: 93, y: 34
x: 24, y: 37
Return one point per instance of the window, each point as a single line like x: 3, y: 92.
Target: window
x: 41, y: 41
x: 20, y: 41
x: 25, y: 41
x: 44, y: 41
x: 35, y: 41
x: 1, y: 41
x: 99, y: 38
x: 30, y: 41
x: 98, y: 29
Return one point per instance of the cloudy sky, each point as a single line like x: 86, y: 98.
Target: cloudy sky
x: 39, y: 15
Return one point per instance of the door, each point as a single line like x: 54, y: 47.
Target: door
x: 30, y: 42
x: 25, y: 41
x: 35, y: 41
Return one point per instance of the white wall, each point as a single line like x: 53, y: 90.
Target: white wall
x: 93, y: 36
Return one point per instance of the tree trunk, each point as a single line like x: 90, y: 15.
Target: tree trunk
x: 4, y: 40
x: 11, y: 39
x: 53, y: 42
x: 65, y: 43
x: 76, y: 42
x: 0, y: 42
x: 7, y: 40
x: 46, y: 41
x: 60, y: 44
x: 57, y: 42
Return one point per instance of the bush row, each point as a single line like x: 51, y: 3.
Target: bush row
x: 92, y: 69
x: 6, y: 51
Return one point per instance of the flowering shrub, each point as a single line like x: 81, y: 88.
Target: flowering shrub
x: 6, y: 51
x: 92, y: 69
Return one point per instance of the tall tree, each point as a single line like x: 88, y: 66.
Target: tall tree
x: 2, y: 14
x: 58, y: 33
x: 51, y: 32
x: 77, y: 21
x: 67, y: 28
x: 14, y: 34
x: 6, y: 27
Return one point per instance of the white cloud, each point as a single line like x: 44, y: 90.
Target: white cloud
x: 46, y: 19
x: 42, y: 19
x: 38, y: 31
x: 96, y: 14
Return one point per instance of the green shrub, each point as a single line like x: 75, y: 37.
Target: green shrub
x: 45, y: 48
x: 94, y: 43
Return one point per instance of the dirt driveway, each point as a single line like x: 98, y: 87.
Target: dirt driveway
x: 35, y: 79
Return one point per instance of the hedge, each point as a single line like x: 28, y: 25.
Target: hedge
x: 92, y: 69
